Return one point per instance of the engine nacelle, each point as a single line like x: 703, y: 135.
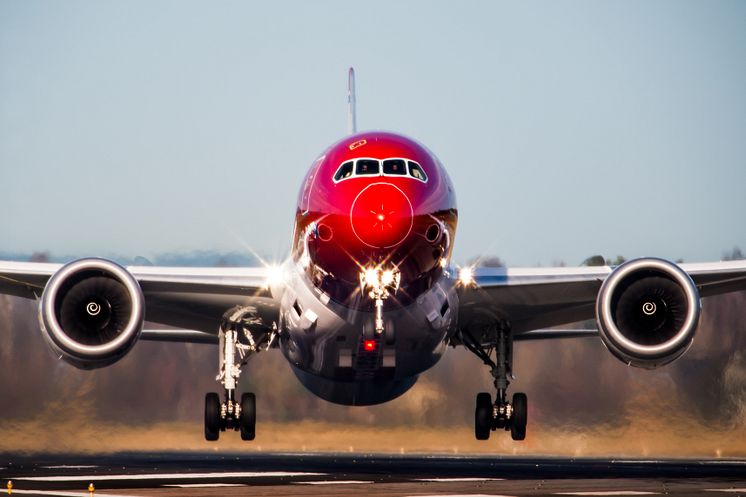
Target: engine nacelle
x: 91, y: 312
x: 647, y: 312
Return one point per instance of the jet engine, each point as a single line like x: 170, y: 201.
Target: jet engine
x: 91, y: 312
x: 647, y: 312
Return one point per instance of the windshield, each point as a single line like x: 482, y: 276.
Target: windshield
x: 344, y: 171
x: 375, y: 167
x: 394, y: 166
x: 366, y: 167
x: 416, y: 171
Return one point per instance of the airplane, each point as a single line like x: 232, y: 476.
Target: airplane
x: 369, y: 298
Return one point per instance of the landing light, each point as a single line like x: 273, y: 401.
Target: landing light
x: 275, y: 275
x: 371, y: 277
x: 466, y: 276
x: 379, y: 280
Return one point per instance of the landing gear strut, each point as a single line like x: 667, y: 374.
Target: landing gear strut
x: 489, y: 416
x: 242, y: 334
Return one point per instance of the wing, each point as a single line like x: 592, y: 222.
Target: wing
x: 192, y: 298
x: 536, y: 298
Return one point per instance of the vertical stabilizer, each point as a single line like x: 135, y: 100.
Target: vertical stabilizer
x: 352, y: 118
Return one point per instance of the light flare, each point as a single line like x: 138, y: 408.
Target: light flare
x: 379, y: 279
x: 466, y: 276
x: 275, y: 275
x: 371, y: 277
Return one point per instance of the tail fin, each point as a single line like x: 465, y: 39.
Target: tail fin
x: 352, y: 117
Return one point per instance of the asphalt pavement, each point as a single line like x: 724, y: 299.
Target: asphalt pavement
x: 209, y: 474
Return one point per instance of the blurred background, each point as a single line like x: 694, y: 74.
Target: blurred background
x: 179, y: 132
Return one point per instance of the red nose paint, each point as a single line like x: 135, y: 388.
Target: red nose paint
x: 401, y: 217
x: 381, y: 215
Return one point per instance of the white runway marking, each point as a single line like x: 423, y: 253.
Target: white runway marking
x: 448, y: 480
x: 168, y: 476
x: 463, y: 495
x: 636, y: 461
x: 609, y: 492
x: 65, y: 466
x: 205, y: 485
x: 729, y: 490
x: 332, y: 482
x: 61, y: 493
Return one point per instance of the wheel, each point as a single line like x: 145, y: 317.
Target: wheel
x: 520, y: 416
x: 369, y: 331
x: 388, y: 332
x: 248, y: 416
x: 483, y: 416
x: 212, y: 416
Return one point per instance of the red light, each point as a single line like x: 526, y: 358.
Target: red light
x: 369, y: 345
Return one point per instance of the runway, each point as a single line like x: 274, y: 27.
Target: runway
x: 206, y: 474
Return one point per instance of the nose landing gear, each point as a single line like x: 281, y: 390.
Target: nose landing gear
x: 239, y: 322
x: 380, y: 283
x: 489, y: 416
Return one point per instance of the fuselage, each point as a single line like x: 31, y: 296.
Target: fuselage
x: 372, y: 202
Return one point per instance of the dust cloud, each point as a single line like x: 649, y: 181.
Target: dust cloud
x: 582, y: 401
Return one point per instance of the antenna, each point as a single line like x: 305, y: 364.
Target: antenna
x: 352, y: 117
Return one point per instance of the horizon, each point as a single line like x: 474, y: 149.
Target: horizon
x: 234, y: 258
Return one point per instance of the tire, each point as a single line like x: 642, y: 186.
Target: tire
x: 248, y: 416
x: 389, y: 333
x: 483, y: 416
x: 212, y: 417
x: 520, y: 416
x: 369, y: 331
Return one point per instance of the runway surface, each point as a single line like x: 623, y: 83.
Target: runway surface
x: 206, y: 474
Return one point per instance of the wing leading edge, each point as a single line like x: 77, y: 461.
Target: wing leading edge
x: 535, y: 298
x: 192, y: 298
x: 531, y: 298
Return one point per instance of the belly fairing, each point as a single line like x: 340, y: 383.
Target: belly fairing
x: 354, y: 393
x: 332, y: 352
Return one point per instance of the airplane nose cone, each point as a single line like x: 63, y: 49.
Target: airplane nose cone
x: 381, y: 215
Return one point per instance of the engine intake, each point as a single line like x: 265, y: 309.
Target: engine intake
x: 647, y: 312
x: 91, y: 312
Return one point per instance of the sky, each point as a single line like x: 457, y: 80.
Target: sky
x: 568, y: 128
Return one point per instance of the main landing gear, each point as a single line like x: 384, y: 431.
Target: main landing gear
x: 241, y: 333
x: 489, y: 416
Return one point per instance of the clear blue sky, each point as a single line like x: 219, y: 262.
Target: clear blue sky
x: 568, y: 128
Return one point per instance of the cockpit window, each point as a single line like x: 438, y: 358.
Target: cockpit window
x: 366, y: 167
x: 344, y: 171
x: 416, y: 171
x: 394, y: 166
x: 379, y: 167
